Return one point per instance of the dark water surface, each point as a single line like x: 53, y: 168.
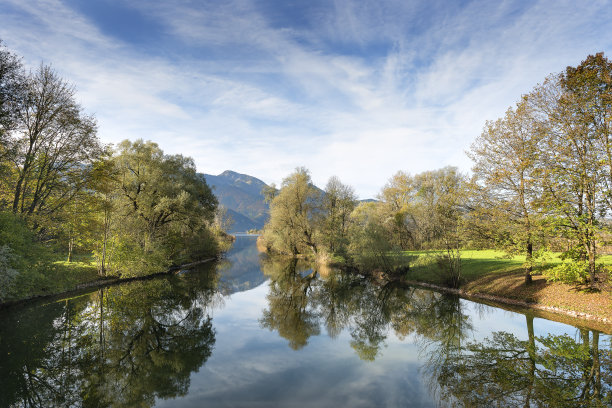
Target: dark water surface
x: 252, y: 331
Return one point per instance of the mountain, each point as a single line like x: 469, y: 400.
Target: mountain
x: 242, y: 223
x: 241, y: 195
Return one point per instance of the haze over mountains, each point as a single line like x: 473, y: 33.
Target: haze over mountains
x: 242, y: 195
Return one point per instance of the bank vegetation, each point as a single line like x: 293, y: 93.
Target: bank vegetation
x: 126, y: 210
x: 540, y: 187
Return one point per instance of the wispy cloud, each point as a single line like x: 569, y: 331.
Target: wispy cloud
x: 355, y: 89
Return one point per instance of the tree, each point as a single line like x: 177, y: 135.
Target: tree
x: 291, y: 227
x: 439, y: 205
x: 398, y: 197
x: 223, y: 221
x: 371, y: 246
x: 164, y: 206
x: 12, y: 87
x: 588, y: 90
x: 52, y: 146
x: 573, y: 112
x: 338, y: 202
x: 163, y: 209
x: 104, y: 182
x: 506, y: 185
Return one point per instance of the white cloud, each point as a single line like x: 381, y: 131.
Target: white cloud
x: 371, y: 89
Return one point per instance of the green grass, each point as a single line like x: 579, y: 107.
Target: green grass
x: 474, y: 264
x: 66, y: 276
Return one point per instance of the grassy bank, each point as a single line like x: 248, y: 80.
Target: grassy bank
x: 491, y: 272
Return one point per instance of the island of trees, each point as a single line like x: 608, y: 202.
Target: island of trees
x: 63, y: 193
x: 541, y: 182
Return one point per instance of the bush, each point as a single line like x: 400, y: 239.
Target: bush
x: 449, y: 266
x: 569, y: 272
x: 7, y: 273
x: 23, y: 259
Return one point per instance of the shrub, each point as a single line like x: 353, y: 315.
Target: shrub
x: 23, y: 259
x: 569, y: 272
x: 7, y: 273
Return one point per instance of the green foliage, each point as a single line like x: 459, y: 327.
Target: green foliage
x: 569, y: 272
x: 371, y: 247
x: 50, y: 150
x: 157, y: 211
x: 7, y: 272
x: 338, y: 203
x: 423, y: 211
x: 291, y: 228
x: 371, y: 250
x: 556, y: 370
x: 449, y: 265
x: 24, y: 254
x: 122, y: 346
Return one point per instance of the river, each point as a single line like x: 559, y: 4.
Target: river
x: 254, y: 331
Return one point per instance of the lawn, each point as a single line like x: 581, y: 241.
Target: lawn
x: 476, y: 264
x: 494, y: 273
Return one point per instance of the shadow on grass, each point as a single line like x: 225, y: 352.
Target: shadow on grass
x: 486, y: 272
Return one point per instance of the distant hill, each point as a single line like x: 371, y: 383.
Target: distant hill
x: 241, y: 195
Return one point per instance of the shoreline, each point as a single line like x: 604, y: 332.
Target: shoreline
x: 84, y: 287
x: 602, y: 323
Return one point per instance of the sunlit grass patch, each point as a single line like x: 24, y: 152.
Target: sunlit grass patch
x: 474, y: 264
x: 478, y: 263
x: 67, y: 275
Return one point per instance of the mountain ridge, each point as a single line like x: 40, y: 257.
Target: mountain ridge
x: 241, y: 194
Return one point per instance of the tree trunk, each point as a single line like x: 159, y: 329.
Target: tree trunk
x: 528, y: 267
x: 596, y: 366
x: 532, y: 360
x: 70, y: 246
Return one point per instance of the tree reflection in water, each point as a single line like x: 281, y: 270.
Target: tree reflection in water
x: 501, y: 371
x: 288, y: 311
x: 132, y: 344
x: 121, y: 346
x: 550, y: 371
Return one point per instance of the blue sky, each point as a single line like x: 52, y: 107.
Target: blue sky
x: 356, y: 89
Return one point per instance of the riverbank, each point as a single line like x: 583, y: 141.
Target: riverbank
x: 87, y: 278
x: 491, y: 276
x: 487, y: 275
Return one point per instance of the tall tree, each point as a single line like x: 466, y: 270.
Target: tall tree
x: 163, y: 203
x: 397, y: 197
x: 439, y: 201
x: 12, y: 87
x: 573, y: 124
x: 52, y: 146
x: 338, y: 202
x: 506, y: 184
x: 292, y: 213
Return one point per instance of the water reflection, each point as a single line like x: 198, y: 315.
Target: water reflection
x: 550, y: 371
x: 120, y: 346
x: 500, y: 371
x: 361, y: 342
x: 241, y: 271
x: 299, y: 303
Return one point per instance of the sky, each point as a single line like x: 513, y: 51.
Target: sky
x: 356, y: 89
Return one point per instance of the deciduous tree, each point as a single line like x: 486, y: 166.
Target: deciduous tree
x: 506, y: 185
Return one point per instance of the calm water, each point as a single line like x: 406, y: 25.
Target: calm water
x: 251, y: 331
